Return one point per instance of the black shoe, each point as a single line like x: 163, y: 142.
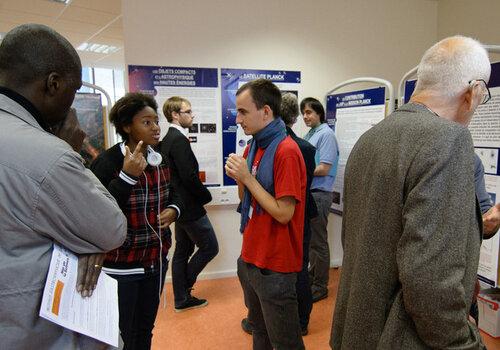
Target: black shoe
x: 317, y: 296
x: 246, y: 326
x: 191, y: 303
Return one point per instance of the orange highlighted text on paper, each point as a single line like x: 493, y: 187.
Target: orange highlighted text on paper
x: 57, y: 297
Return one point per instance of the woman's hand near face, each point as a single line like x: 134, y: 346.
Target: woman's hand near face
x: 134, y: 163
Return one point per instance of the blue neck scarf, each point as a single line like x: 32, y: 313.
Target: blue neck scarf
x: 268, y: 138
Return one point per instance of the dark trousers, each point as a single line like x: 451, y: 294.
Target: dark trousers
x: 319, y: 252
x: 186, y: 268
x: 138, y: 302
x: 271, y: 300
x: 303, y: 287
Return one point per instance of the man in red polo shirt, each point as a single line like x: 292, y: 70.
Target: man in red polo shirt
x: 271, y: 180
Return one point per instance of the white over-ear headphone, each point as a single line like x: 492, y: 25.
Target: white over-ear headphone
x: 154, y: 158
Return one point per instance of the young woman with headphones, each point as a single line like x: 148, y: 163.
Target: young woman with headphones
x: 138, y: 178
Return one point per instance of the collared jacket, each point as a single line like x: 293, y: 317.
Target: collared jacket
x: 46, y: 196
x: 184, y: 172
x: 411, y: 233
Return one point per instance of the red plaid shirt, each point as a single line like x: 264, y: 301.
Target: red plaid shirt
x: 140, y: 253
x: 142, y: 244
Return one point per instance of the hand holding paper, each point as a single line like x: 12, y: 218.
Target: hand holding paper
x: 95, y: 316
x: 89, y: 268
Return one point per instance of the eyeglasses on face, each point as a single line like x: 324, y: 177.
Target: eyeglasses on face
x: 487, y: 95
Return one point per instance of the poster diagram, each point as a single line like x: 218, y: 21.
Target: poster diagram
x: 485, y: 131
x: 200, y: 87
x: 350, y: 114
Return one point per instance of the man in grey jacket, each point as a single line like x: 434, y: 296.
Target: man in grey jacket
x: 46, y: 194
x: 411, y: 228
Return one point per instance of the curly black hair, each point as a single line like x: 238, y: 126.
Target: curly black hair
x: 127, y: 107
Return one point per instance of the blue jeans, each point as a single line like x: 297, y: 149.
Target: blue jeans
x: 271, y: 300
x: 186, y: 268
x: 138, y: 301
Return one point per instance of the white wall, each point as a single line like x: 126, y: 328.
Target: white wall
x: 478, y: 19
x: 327, y: 40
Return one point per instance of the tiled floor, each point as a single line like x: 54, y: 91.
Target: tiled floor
x: 217, y: 326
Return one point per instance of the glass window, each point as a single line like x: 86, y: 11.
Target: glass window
x: 119, y: 84
x: 104, y: 79
x: 87, y: 76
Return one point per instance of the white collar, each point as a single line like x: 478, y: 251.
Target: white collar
x: 180, y: 128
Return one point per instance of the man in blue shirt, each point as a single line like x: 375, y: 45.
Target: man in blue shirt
x: 323, y: 138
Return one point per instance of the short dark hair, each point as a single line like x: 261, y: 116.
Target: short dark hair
x: 263, y: 92
x: 31, y: 52
x: 315, y: 105
x: 289, y: 108
x: 127, y: 107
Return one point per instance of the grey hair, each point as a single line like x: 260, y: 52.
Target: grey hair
x: 289, y: 108
x: 32, y: 51
x: 447, y: 67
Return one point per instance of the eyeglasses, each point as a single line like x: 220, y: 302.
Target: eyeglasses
x: 487, y: 95
x: 190, y: 112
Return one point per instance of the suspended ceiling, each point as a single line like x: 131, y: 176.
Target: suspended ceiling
x: 80, y: 21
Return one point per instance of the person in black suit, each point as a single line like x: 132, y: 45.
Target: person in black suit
x: 192, y: 228
x: 289, y: 114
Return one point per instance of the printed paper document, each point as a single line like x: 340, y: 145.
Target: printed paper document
x: 96, y: 317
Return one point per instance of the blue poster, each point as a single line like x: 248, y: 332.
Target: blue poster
x: 409, y: 88
x: 495, y: 75
x: 201, y: 87
x: 145, y: 78
x: 361, y: 98
x: 231, y: 80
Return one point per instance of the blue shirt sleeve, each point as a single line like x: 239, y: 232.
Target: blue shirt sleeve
x: 482, y: 196
x: 328, y: 149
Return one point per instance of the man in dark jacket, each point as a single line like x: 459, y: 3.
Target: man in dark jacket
x: 193, y: 228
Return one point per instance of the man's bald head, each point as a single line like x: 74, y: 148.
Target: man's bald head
x: 31, y: 52
x: 448, y: 66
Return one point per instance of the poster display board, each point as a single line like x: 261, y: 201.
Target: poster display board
x: 485, y: 130
x: 233, y: 138
x: 200, y: 86
x: 90, y: 116
x: 350, y: 114
x: 409, y: 88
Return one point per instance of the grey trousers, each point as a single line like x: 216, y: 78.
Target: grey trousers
x: 272, y: 307
x: 319, y: 252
